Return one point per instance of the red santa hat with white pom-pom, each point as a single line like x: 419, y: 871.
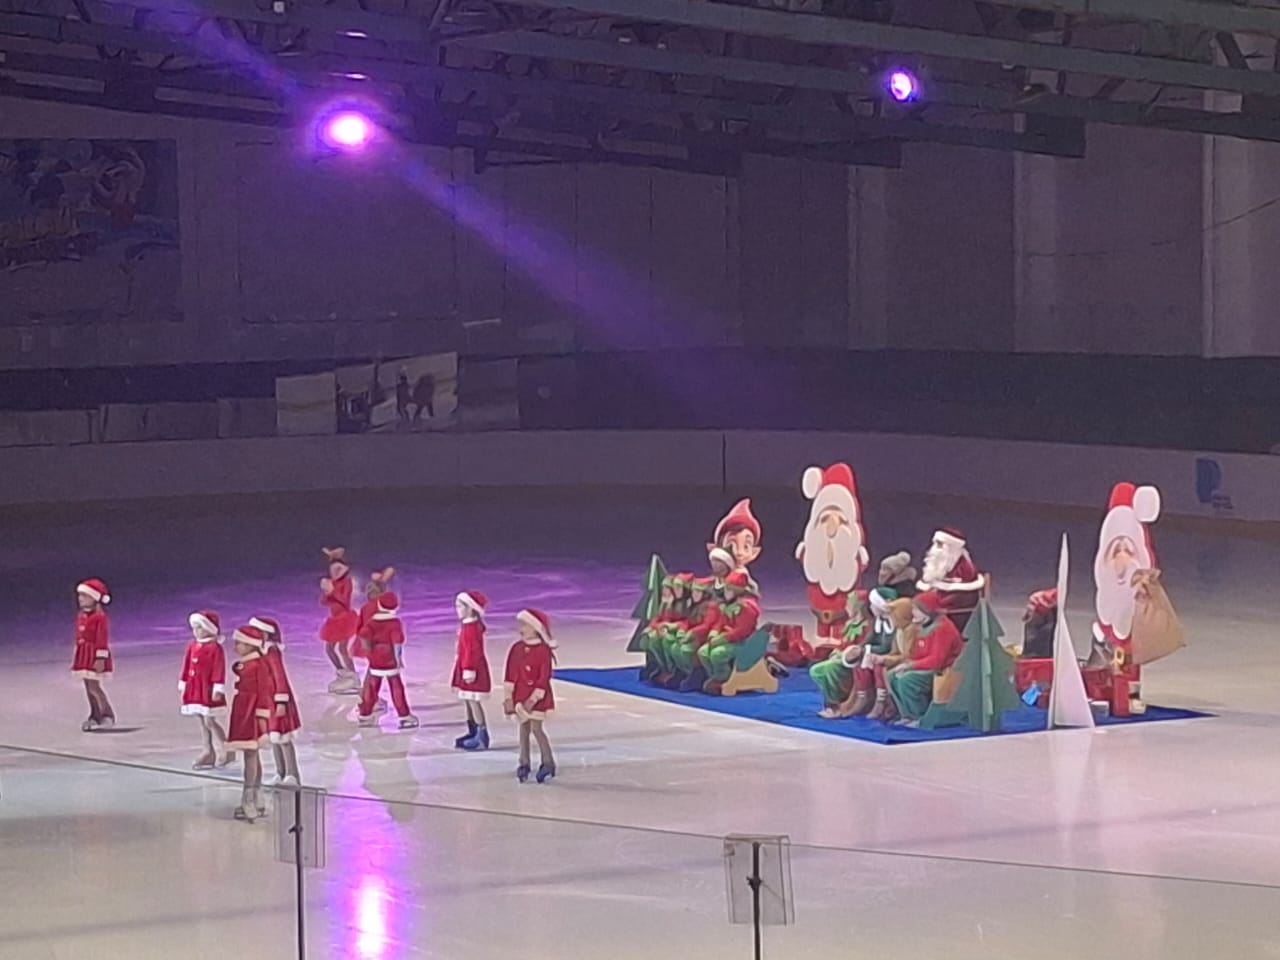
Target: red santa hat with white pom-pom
x: 253, y: 636
x: 831, y: 486
x: 388, y: 607
x: 95, y: 590
x: 474, y: 600
x: 540, y: 623
x: 1130, y: 512
x: 206, y: 623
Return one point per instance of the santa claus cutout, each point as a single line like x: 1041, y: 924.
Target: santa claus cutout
x: 1124, y: 548
x: 833, y: 551
x: 949, y: 571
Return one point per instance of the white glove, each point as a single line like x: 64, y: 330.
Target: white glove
x: 468, y: 676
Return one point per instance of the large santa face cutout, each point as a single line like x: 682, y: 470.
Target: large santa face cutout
x: 833, y: 551
x: 1124, y: 548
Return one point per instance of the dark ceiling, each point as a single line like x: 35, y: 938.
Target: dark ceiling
x: 684, y: 84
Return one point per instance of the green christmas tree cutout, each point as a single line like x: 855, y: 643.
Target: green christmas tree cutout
x: 649, y: 603
x: 986, y: 687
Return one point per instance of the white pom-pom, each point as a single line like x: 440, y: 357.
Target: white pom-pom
x: 811, y: 482
x: 1146, y: 504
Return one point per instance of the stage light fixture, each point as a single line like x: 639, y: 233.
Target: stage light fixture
x: 902, y: 85
x: 347, y: 130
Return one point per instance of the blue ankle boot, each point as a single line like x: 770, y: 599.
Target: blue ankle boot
x: 546, y: 772
x: 461, y: 742
x: 522, y: 772
x: 478, y: 740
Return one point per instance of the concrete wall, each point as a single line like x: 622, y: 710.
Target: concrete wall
x: 287, y: 257
x: 1155, y: 243
x: 1217, y: 485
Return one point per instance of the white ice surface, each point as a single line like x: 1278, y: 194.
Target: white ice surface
x: 952, y: 850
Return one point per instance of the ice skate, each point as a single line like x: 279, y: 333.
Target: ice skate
x: 828, y: 713
x: 89, y: 725
x: 276, y: 779
x: 338, y: 684
x: 108, y: 722
x: 224, y: 760
x: 290, y: 781
x: 461, y: 742
x: 477, y: 741
x: 522, y: 773
x: 409, y: 722
x: 204, y: 762
x: 369, y: 720
x: 546, y: 771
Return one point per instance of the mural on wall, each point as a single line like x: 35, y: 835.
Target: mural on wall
x: 89, y: 231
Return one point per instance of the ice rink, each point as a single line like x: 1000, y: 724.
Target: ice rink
x: 1148, y: 841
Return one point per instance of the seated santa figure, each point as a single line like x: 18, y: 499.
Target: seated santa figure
x: 936, y: 646
x: 739, y: 617
x: 950, y: 572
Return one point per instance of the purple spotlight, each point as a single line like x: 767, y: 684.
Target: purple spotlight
x: 903, y: 86
x: 347, y: 130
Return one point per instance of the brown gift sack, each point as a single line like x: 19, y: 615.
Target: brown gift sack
x: 1157, y: 631
x: 946, y: 684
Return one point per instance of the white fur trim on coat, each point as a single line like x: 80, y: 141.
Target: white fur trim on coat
x: 219, y: 690
x: 275, y: 737
x: 91, y: 674
x: 200, y: 710
x: 472, y: 694
x: 394, y: 672
x: 955, y: 586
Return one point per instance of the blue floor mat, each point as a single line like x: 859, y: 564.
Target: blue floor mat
x: 797, y: 702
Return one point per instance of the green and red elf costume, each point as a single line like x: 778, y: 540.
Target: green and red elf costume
x: 936, y: 647
x: 683, y: 648
x: 656, y: 639
x: 739, y: 617
x: 835, y: 676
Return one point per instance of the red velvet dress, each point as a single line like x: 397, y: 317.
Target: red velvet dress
x: 248, y: 728
x: 281, y: 728
x: 529, y: 667
x: 470, y: 657
x: 340, y: 626
x: 203, y: 680
x: 93, y: 647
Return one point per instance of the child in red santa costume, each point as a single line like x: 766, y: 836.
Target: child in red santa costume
x: 833, y: 553
x: 202, y: 687
x: 250, y: 726
x: 527, y: 687
x: 285, y: 720
x: 1124, y: 548
x: 92, y: 661
x: 383, y: 638
x: 471, y: 668
x: 339, y: 627
x: 379, y: 583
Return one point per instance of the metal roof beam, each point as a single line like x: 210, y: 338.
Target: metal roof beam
x: 632, y: 56
x: 1228, y: 17
x: 836, y: 32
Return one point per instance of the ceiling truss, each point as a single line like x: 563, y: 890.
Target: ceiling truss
x: 683, y: 84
